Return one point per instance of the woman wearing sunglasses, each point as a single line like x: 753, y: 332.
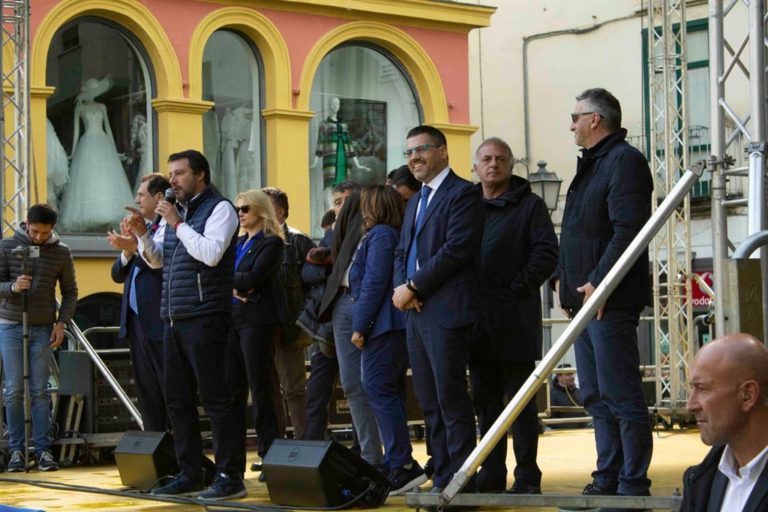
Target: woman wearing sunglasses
x: 256, y: 312
x: 379, y: 331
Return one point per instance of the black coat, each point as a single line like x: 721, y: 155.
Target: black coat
x: 607, y: 204
x: 519, y: 252
x: 704, y: 487
x: 257, y: 278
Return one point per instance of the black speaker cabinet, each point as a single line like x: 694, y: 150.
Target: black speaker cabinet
x: 321, y: 473
x: 142, y: 458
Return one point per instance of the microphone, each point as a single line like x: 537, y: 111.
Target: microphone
x: 170, y: 196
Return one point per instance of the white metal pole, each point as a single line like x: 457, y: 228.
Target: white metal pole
x: 717, y: 162
x: 574, y: 328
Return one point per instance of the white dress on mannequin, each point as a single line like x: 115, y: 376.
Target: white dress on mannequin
x: 98, y: 188
x: 58, y: 165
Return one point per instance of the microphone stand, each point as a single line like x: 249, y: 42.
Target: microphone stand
x: 25, y: 351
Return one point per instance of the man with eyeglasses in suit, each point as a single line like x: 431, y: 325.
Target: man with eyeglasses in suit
x: 436, y: 266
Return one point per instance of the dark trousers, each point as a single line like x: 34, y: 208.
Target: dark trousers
x: 384, y: 363
x: 250, y: 354
x: 195, y: 360
x: 492, y: 382
x: 322, y: 379
x: 439, y: 363
x: 608, y: 361
x: 147, y: 363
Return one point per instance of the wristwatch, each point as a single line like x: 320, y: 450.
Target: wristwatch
x: 411, y: 286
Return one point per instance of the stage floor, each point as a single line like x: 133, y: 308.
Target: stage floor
x: 566, y: 458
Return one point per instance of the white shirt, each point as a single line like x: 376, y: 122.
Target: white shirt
x: 434, y: 185
x: 208, y: 248
x: 742, y: 480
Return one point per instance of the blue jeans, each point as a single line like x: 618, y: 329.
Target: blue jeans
x: 349, y: 357
x: 611, y: 385
x: 11, y: 351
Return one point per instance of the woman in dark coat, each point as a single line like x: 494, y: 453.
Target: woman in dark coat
x: 379, y: 331
x: 256, y: 312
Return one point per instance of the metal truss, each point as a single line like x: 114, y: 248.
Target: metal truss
x: 14, y: 116
x: 748, y: 128
x: 671, y: 248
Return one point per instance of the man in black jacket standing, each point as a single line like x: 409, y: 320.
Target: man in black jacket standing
x: 729, y: 397
x: 519, y: 252
x: 195, y: 247
x: 140, y: 319
x: 607, y: 204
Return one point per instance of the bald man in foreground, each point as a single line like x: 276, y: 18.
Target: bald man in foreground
x: 729, y: 397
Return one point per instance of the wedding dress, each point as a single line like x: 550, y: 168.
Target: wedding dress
x: 98, y: 188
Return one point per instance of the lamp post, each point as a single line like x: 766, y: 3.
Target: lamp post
x: 546, y: 185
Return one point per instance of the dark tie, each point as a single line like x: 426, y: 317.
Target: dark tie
x: 420, y: 215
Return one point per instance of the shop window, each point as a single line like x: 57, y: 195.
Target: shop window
x: 100, y: 137
x: 364, y: 105
x: 232, y: 130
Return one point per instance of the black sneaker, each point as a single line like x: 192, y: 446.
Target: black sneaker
x: 523, y: 488
x: 595, y: 490
x: 17, y: 463
x: 224, y: 487
x: 591, y: 489
x: 46, y: 462
x: 256, y: 466
x: 179, y: 485
x: 403, y: 480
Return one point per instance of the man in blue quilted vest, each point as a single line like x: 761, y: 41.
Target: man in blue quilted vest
x: 195, y: 246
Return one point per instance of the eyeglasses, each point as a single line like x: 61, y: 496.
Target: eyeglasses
x: 245, y: 208
x: 419, y: 149
x: 576, y: 115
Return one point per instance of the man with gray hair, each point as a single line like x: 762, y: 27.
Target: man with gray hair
x: 607, y: 204
x: 518, y: 254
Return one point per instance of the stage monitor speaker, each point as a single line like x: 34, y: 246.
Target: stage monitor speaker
x: 142, y: 458
x: 321, y: 473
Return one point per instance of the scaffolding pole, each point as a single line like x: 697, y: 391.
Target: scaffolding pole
x: 671, y: 248
x: 14, y: 116
x: 749, y: 125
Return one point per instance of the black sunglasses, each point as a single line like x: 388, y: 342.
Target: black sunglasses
x: 245, y: 208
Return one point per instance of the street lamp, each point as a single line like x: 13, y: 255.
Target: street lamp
x: 546, y: 185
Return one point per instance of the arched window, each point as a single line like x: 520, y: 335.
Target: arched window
x: 100, y: 138
x: 364, y: 104
x: 232, y: 131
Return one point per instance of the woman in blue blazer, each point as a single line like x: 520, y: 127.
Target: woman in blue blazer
x: 379, y: 331
x: 255, y: 313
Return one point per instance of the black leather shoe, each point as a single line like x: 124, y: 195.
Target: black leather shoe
x: 524, y: 488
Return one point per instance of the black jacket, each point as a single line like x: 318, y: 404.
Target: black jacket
x: 190, y: 287
x: 519, y: 252
x: 704, y: 487
x: 257, y: 279
x: 607, y: 204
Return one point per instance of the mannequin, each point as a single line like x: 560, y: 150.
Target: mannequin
x: 98, y: 188
x: 139, y: 143
x: 334, y: 148
x: 58, y: 165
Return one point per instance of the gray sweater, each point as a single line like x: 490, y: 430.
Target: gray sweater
x: 55, y: 264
